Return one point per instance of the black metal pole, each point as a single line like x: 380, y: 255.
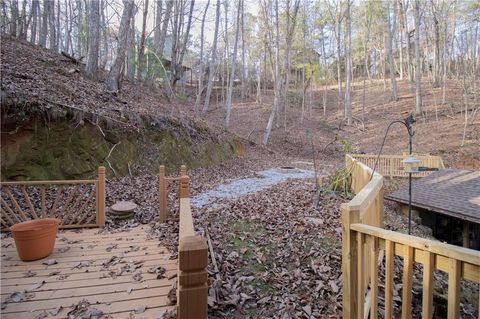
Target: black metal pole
x: 410, y: 183
x: 409, y: 203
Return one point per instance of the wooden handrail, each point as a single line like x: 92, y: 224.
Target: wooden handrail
x: 391, y: 165
x: 71, y: 209
x: 363, y: 240
x: 451, y: 251
x: 192, y: 291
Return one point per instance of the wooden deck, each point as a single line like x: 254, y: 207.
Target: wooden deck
x: 102, y: 269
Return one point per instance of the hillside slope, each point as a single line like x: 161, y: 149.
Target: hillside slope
x: 58, y: 124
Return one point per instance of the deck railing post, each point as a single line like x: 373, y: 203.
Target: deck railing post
x: 349, y: 262
x: 101, y: 197
x: 192, y: 288
x: 162, y: 186
x: 184, y: 185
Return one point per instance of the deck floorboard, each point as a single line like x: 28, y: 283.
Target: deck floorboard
x: 82, y: 272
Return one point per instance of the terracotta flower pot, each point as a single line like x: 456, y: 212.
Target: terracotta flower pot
x: 35, y: 239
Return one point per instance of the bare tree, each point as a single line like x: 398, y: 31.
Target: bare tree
x: 44, y: 25
x: 234, y: 62
x: 35, y: 13
x: 180, y: 42
x: 141, y: 46
x: 348, y: 69
x: 391, y: 27
x: 93, y: 39
x: 52, y: 33
x: 201, y: 71
x: 418, y: 70
x: 114, y: 78
x: 211, y: 66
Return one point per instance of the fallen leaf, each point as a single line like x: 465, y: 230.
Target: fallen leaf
x: 140, y: 309
x: 36, y: 286
x: 49, y: 262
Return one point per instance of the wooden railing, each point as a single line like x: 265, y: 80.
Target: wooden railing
x: 77, y: 203
x: 365, y: 243
x: 391, y: 165
x: 192, y: 289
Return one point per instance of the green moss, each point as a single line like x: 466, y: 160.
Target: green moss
x: 60, y: 151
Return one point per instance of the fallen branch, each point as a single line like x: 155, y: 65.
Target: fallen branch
x: 110, y: 153
x: 212, y: 256
x: 71, y: 58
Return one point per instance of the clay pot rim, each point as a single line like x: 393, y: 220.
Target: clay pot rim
x: 43, y: 223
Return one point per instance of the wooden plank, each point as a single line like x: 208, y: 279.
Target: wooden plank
x: 389, y: 254
x: 186, y: 220
x: 108, y: 297
x: 112, y: 308
x: 83, y: 249
x: 65, y: 182
x: 438, y: 248
x: 101, y: 194
x: 407, y: 283
x: 367, y: 195
x: 349, y: 262
x: 361, y: 272
x: 72, y: 257
x: 45, y: 272
x: 469, y: 272
x: 81, y: 283
x: 80, y: 274
x: 70, y: 265
x: 374, y: 278
x: 454, y: 289
x: 427, y: 303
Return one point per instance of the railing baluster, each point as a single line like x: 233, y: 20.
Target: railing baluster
x: 374, y: 277
x: 55, y: 202
x: 407, y: 282
x: 389, y: 254
x: 29, y: 202
x: 69, y: 199
x: 15, y: 203
x: 427, y: 303
x: 82, y: 208
x: 10, y: 211
x: 3, y: 223
x: 44, y: 206
x: 75, y: 204
x: 4, y: 213
x: 454, y: 273
x: 361, y: 272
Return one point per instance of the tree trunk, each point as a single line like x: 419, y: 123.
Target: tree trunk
x: 51, y: 25
x: 211, y: 67
x: 234, y: 62
x: 114, y: 78
x: 181, y: 48
x: 418, y: 69
x: 35, y: 11
x: 244, y: 67
x: 391, y: 29
x: 93, y: 39
x: 15, y: 15
x: 348, y: 69
x: 130, y: 70
x: 202, y: 63
x: 141, y: 47
x: 103, y: 23
x: 44, y: 25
